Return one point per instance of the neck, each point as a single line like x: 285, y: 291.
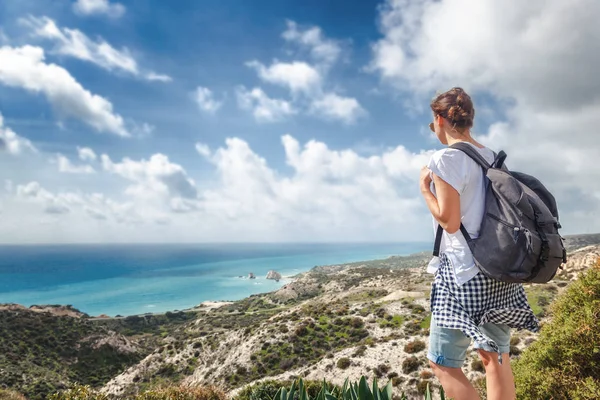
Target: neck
x: 456, y: 138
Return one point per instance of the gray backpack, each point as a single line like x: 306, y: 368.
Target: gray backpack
x: 518, y: 239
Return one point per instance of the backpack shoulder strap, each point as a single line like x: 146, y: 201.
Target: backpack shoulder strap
x: 474, y: 154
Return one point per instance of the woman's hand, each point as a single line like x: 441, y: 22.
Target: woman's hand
x: 425, y: 179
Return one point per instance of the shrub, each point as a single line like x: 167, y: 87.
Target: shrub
x: 426, y: 374
x: 564, y: 361
x: 477, y: 365
x: 422, y: 386
x: 343, y: 363
x: 184, y: 393
x: 414, y: 346
x: 384, y: 368
x: 266, y: 390
x: 78, y: 392
x: 10, y: 395
x: 410, y: 364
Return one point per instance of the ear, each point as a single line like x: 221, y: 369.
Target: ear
x: 440, y: 121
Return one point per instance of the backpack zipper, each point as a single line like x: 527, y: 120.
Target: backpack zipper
x: 516, y: 228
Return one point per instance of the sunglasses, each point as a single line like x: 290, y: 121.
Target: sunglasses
x: 431, y: 127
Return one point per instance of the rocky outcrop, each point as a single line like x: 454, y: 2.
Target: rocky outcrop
x: 251, y: 276
x: 272, y: 274
x: 579, y: 260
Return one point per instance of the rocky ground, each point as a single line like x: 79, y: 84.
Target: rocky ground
x: 332, y: 322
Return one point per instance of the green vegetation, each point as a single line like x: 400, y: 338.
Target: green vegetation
x: 415, y: 346
x: 41, y: 353
x: 265, y: 390
x: 167, y: 393
x: 540, y: 297
x: 564, y: 363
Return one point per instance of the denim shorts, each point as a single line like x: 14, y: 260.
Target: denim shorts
x: 448, y: 347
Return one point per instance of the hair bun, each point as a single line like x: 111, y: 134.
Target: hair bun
x: 456, y: 106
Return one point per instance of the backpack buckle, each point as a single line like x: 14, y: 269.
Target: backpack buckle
x: 545, y: 255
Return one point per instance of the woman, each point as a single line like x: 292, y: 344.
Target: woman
x: 466, y: 304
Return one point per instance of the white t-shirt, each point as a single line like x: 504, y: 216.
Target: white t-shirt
x: 466, y: 176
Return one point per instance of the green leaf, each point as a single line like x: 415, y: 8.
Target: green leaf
x: 427, y: 393
x: 278, y: 395
x: 303, y: 393
x: 292, y: 391
x: 442, y: 394
x: 388, y: 391
x: 364, y: 393
x: 330, y: 397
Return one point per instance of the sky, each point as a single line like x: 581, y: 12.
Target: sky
x: 280, y: 120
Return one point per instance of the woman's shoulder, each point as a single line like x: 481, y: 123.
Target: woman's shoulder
x: 447, y: 155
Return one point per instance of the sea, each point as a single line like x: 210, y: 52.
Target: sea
x: 152, y: 278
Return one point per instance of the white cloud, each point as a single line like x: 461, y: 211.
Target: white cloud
x: 321, y: 48
x: 74, y: 43
x: 205, y: 100
x: 65, y: 166
x: 264, y: 108
x: 296, y: 76
x: 306, y: 82
x: 52, y: 204
x: 151, y: 76
x: 93, y: 7
x: 333, y: 106
x: 13, y: 143
x: 86, y: 154
x: 74, y: 205
x: 359, y: 198
x: 24, y: 67
x: 203, y: 149
x: 539, y: 61
x: 154, y: 177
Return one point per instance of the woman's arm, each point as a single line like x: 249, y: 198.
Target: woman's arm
x: 446, y: 207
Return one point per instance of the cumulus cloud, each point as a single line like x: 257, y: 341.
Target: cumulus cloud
x: 333, y: 106
x: 157, y: 176
x: 539, y: 62
x: 102, y: 7
x: 206, y: 101
x: 13, y: 143
x: 24, y: 67
x: 358, y: 197
x: 307, y: 82
x: 74, y: 43
x: 86, y: 154
x: 264, y: 108
x: 322, y: 49
x: 66, y: 166
x: 52, y: 204
x: 203, y: 149
x: 296, y: 76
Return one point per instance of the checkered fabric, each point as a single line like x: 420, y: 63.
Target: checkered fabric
x: 478, y: 301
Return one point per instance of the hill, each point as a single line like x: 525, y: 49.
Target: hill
x: 368, y: 318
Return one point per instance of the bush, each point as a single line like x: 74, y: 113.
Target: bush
x: 564, y: 362
x: 10, y: 395
x: 184, y: 393
x: 343, y: 363
x: 414, y: 346
x: 477, y: 365
x: 266, y: 390
x: 78, y: 393
x: 410, y: 364
x: 426, y: 374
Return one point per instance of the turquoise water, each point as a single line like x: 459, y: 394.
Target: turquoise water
x: 136, y: 279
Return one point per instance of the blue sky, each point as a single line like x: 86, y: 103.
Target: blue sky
x: 278, y: 120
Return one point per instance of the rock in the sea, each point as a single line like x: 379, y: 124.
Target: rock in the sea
x: 251, y: 276
x: 274, y: 275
